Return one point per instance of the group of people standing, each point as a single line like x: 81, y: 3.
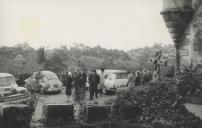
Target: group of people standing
x: 139, y: 77
x: 77, y: 81
x: 96, y: 80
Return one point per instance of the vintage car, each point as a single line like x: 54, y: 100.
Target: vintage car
x: 115, y: 79
x: 10, y: 92
x: 44, y: 81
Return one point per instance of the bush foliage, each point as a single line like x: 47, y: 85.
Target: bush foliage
x: 189, y: 81
x: 155, y: 103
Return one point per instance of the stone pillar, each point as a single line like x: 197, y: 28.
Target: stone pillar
x: 177, y: 46
x: 177, y: 15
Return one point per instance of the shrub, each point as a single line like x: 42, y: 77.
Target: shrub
x: 189, y: 81
x: 158, y: 102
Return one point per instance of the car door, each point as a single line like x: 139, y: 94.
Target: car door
x: 117, y: 80
x: 121, y: 79
x: 108, y: 81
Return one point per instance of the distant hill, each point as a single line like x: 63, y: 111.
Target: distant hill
x: 64, y: 58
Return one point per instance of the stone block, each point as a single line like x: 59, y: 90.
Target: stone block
x: 58, y: 114
x: 15, y: 116
x: 96, y: 113
x: 132, y: 112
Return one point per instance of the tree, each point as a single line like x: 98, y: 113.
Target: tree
x: 41, y: 56
x: 24, y: 47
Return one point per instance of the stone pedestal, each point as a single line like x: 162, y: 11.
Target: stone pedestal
x: 97, y: 113
x: 58, y: 114
x: 15, y: 116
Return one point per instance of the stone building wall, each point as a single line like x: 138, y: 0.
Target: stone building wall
x: 191, y: 41
x: 183, y: 19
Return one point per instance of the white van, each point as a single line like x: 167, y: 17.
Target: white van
x: 115, y: 79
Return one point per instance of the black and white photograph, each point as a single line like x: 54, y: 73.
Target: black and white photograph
x: 100, y: 63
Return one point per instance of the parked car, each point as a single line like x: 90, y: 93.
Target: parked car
x: 8, y: 84
x: 114, y: 80
x: 10, y: 92
x: 45, y: 81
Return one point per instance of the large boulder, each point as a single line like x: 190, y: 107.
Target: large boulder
x: 15, y: 116
x: 58, y: 114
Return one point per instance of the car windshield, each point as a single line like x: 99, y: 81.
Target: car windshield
x: 6, y: 81
x: 121, y: 75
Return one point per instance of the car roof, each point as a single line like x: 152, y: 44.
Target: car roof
x: 47, y: 72
x: 5, y: 75
x: 113, y: 71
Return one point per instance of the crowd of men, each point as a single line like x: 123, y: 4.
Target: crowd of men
x: 140, y: 77
x: 78, y: 80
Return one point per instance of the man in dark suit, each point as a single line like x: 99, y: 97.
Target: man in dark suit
x: 93, y: 81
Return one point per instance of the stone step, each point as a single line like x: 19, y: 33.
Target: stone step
x: 15, y: 115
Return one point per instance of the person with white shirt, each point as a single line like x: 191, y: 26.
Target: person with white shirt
x: 102, y: 76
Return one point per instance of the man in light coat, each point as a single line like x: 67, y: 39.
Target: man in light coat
x: 102, y: 76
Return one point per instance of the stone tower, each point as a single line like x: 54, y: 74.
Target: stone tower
x: 183, y: 19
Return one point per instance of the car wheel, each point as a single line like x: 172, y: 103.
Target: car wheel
x: 104, y: 90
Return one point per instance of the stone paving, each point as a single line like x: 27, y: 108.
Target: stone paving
x: 195, y: 109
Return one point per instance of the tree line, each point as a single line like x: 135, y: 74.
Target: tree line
x: 22, y: 58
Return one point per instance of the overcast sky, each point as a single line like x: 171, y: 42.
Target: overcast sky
x: 120, y: 24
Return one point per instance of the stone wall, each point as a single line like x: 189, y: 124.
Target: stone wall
x: 191, y: 42
x: 185, y: 30
x: 15, y: 116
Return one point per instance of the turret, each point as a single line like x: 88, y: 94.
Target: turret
x: 177, y: 15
